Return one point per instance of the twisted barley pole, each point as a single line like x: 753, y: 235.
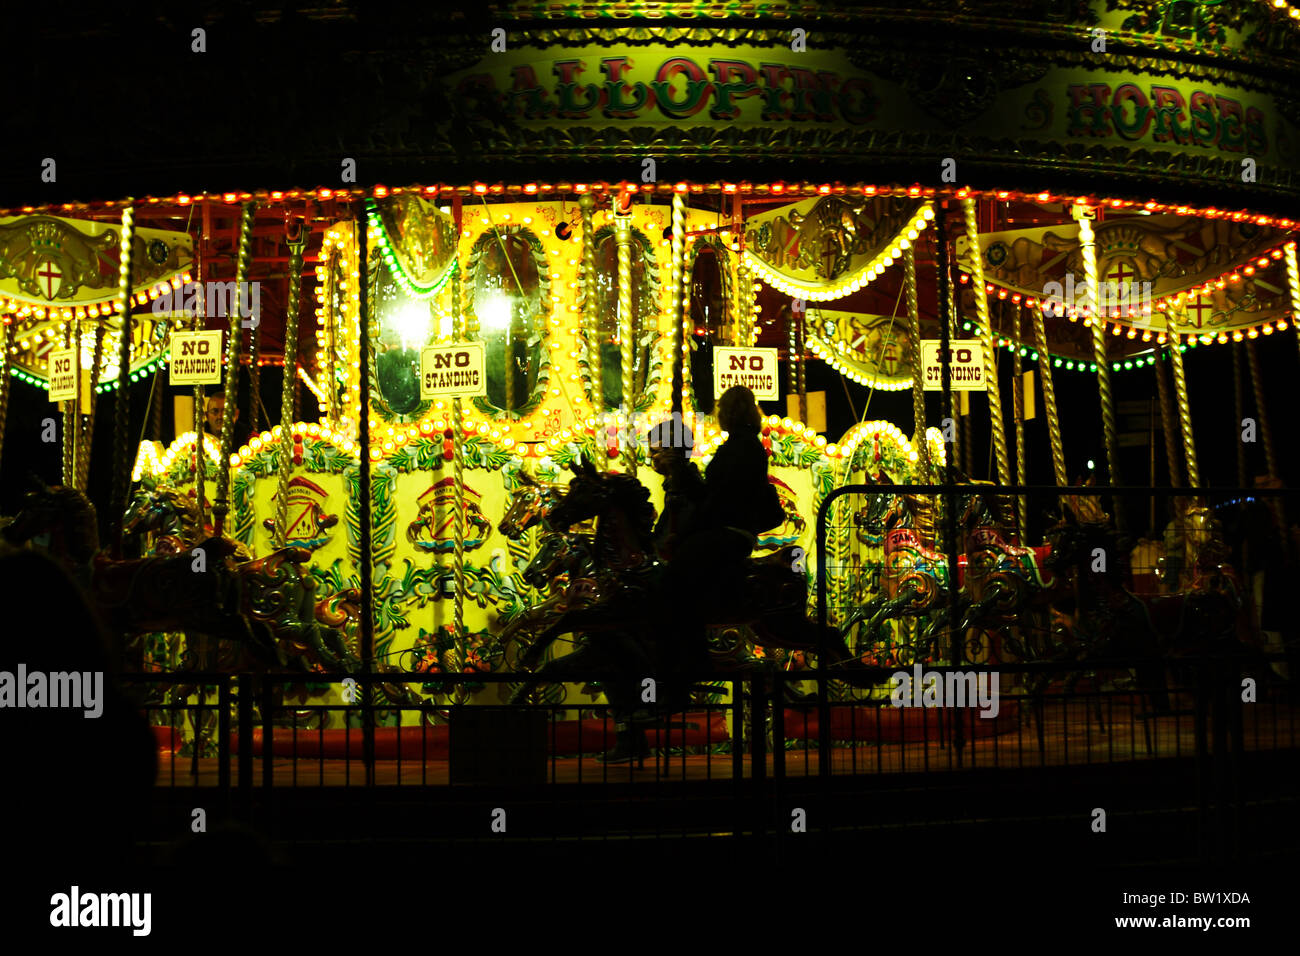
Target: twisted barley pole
x: 1293, y: 283
x: 1265, y: 428
x: 1169, y: 425
x: 1184, y: 412
x: 6, y: 336
x: 221, y: 506
x: 297, y: 246
x: 69, y: 424
x: 122, y: 405
x: 458, y: 471
x: 623, y: 234
x: 1088, y: 246
x: 200, y: 453
x: 1018, y: 414
x: 914, y: 345
x: 1049, y: 399
x: 590, y: 310
x: 678, y: 299
x: 986, y: 337
x: 83, y: 454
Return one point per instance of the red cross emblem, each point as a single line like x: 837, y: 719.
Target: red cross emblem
x: 1198, y: 308
x: 1119, y: 274
x: 889, y: 359
x: 49, y: 272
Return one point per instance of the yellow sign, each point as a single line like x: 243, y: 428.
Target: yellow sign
x: 196, y: 358
x: 452, y: 370
x: 756, y: 369
x: 63, y: 375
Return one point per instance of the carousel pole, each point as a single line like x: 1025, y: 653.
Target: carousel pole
x: 1049, y: 399
x: 623, y: 236
x: 1018, y: 415
x: 201, y: 305
x: 297, y: 246
x: 986, y: 336
x: 1184, y: 410
x: 1088, y: 246
x: 83, y: 454
x: 1169, y: 425
x: 75, y: 403
x: 364, y: 490
x: 590, y: 312
x: 6, y: 337
x: 914, y: 345
x: 1293, y: 283
x: 458, y: 470
x: 678, y: 299
x: 1239, y: 411
x: 221, y: 506
x: 947, y: 306
x: 122, y: 404
x: 69, y: 426
x: 1270, y: 455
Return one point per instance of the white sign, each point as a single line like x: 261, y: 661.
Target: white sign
x: 756, y: 369
x: 196, y: 358
x: 63, y: 375
x: 452, y: 370
x: 966, y: 359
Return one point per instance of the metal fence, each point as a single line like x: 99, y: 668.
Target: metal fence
x: 1015, y: 701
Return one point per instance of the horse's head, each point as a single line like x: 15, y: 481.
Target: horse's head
x: 557, y: 554
x: 529, y: 504
x: 589, y: 494
x: 48, y: 509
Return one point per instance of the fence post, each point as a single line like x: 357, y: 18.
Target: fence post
x: 223, y: 741
x: 246, y: 746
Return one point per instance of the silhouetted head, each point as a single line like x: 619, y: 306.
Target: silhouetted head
x: 738, y: 413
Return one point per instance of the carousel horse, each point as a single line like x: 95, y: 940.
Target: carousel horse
x: 1153, y: 630
x: 772, y: 601
x: 171, y: 520
x: 1004, y: 586
x: 915, y: 578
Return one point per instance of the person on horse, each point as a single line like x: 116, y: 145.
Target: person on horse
x: 670, y: 443
x: 707, y: 558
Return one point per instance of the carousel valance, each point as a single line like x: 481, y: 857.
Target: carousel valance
x: 872, y: 350
x: 51, y: 263
x: 828, y: 247
x: 1225, y: 275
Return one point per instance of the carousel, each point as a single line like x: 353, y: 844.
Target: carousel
x: 446, y: 480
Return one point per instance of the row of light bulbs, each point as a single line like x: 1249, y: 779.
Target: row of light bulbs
x: 852, y: 283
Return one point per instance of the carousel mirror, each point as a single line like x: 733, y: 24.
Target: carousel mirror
x: 405, y: 325
x: 508, y: 289
x: 645, y: 312
x: 709, y: 320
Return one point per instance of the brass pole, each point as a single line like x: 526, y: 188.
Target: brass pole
x: 914, y: 344
x: 1088, y: 247
x: 990, y: 350
x: 1018, y: 416
x: 221, y: 506
x: 1184, y: 410
x: 590, y: 309
x: 626, y: 331
x: 1049, y: 399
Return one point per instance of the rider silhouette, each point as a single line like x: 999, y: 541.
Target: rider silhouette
x: 684, y: 488
x: 706, y: 558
